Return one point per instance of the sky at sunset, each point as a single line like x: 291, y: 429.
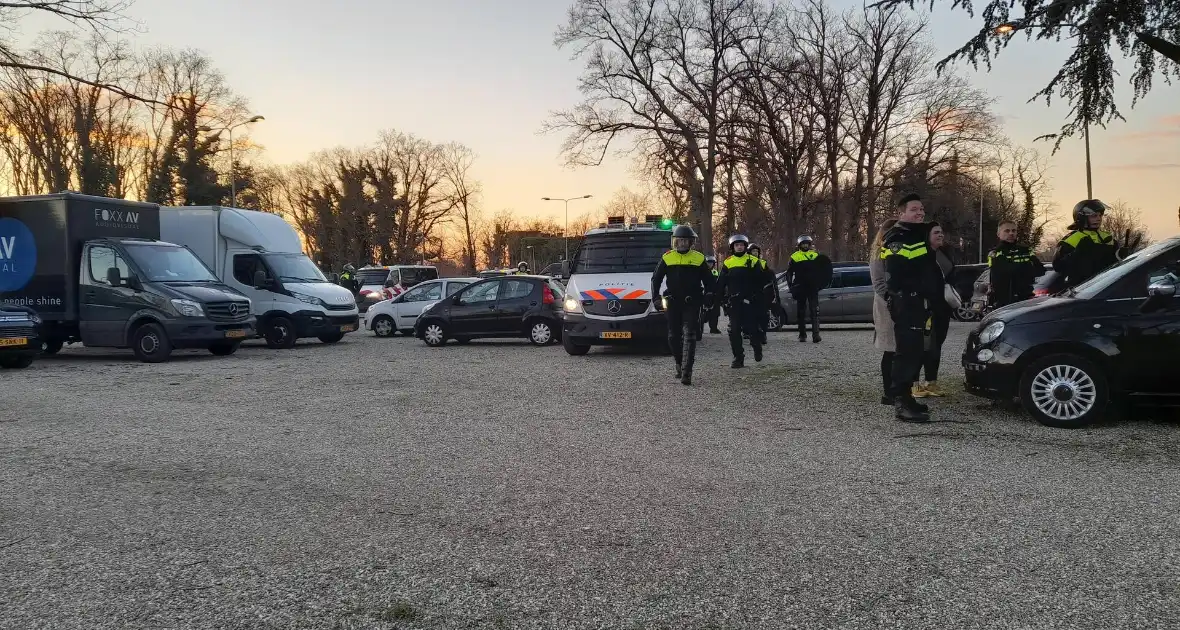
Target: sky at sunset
x: 487, y: 74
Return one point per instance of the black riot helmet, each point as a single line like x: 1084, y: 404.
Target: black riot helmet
x: 683, y: 237
x: 1086, y: 209
x: 754, y: 250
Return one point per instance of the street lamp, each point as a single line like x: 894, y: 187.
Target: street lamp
x: 566, y: 231
x: 233, y: 178
x: 1007, y: 28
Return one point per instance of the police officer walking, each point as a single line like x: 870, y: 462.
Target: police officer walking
x: 805, y: 280
x: 690, y: 287
x: 741, y: 282
x: 1088, y: 249
x: 1014, y: 268
x: 913, y: 283
x: 713, y: 312
x: 768, y: 297
x: 348, y: 278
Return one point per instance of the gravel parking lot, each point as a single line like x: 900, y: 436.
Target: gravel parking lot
x: 381, y: 484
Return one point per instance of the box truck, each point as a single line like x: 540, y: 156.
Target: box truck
x: 261, y: 255
x: 96, y: 272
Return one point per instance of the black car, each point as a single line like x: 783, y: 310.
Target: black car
x: 20, y: 337
x: 1066, y: 356
x: 511, y: 306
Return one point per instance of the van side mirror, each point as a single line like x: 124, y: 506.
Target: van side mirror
x: 133, y: 283
x: 113, y: 277
x: 260, y: 282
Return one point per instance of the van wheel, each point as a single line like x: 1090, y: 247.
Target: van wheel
x: 17, y: 362
x: 150, y: 344
x: 332, y: 338
x: 52, y: 346
x: 224, y: 349
x: 280, y: 333
x: 383, y: 326
x: 434, y: 334
x: 574, y: 349
x: 1065, y: 391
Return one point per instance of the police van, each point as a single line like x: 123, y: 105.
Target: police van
x: 608, y: 286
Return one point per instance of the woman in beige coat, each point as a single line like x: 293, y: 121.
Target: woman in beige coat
x: 883, y: 337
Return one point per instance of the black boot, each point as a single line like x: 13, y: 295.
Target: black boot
x: 758, y: 353
x: 679, y: 371
x: 738, y: 362
x: 905, y: 411
x: 815, y: 338
x: 687, y: 378
x: 802, y: 337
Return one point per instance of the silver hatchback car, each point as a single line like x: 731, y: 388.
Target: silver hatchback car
x: 849, y: 299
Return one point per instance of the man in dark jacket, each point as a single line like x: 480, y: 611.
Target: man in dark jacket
x: 741, y: 282
x: 711, y: 314
x: 1014, y: 268
x: 769, y: 297
x: 913, y: 283
x: 690, y: 287
x: 348, y: 278
x: 805, y: 279
x: 1087, y: 249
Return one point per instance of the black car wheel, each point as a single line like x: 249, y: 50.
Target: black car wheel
x: 540, y: 332
x: 383, y: 326
x: 574, y: 349
x: 332, y: 338
x: 280, y: 333
x: 16, y: 362
x: 434, y: 334
x: 224, y: 349
x: 151, y: 344
x: 52, y: 346
x: 1065, y: 391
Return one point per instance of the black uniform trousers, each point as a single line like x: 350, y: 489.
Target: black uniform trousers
x: 684, y: 324
x: 909, y: 314
x: 807, y: 303
x: 710, y: 315
x: 745, y: 318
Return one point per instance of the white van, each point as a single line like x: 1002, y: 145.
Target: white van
x: 385, y: 282
x: 260, y: 254
x: 608, y: 292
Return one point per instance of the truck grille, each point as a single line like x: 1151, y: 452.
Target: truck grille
x: 12, y: 332
x: 341, y: 307
x: 226, y: 311
x: 624, y: 308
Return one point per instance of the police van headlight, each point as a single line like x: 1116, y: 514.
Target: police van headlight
x: 991, y: 332
x: 572, y: 305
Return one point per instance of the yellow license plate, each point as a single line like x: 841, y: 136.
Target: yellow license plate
x: 18, y: 341
x: 234, y: 334
x: 348, y: 328
x: 616, y: 335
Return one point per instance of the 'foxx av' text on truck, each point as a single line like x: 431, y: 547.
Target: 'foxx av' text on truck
x: 260, y: 254
x: 96, y: 272
x: 608, y: 294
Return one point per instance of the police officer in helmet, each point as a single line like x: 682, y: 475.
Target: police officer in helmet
x: 713, y: 312
x: 914, y: 282
x: 741, y: 282
x: 348, y: 278
x: 689, y: 289
x: 522, y: 268
x: 805, y: 278
x: 1088, y: 249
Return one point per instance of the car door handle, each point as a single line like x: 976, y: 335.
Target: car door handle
x: 832, y: 297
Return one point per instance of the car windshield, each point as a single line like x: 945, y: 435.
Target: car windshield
x: 169, y: 263
x: 414, y: 275
x: 294, y: 268
x: 621, y: 253
x: 372, y: 276
x: 1116, y: 272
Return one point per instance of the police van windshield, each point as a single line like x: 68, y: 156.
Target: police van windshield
x: 621, y: 253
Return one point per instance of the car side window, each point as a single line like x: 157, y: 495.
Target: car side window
x: 858, y: 278
x: 837, y: 280
x: 433, y: 292
x: 453, y: 287
x: 244, y: 267
x: 517, y: 290
x: 417, y: 294
x: 103, y: 258
x: 480, y: 293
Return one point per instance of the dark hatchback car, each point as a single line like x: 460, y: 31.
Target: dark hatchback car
x: 20, y: 338
x: 511, y: 306
x: 1066, y: 356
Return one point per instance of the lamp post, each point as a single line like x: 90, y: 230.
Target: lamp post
x: 1007, y: 28
x: 233, y: 173
x: 566, y: 230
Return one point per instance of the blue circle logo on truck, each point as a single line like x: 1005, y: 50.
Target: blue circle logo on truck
x: 18, y: 255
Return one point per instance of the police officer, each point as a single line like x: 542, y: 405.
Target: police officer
x: 741, y: 282
x: 522, y: 268
x: 712, y: 313
x: 1088, y: 249
x: 1014, y: 268
x: 348, y: 278
x: 690, y: 287
x: 804, y: 280
x: 769, y: 295
x: 913, y: 283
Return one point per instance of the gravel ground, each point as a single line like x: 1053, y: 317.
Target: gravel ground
x: 381, y: 484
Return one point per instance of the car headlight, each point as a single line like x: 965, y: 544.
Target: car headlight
x: 310, y: 299
x: 991, y: 332
x: 188, y: 308
x: 572, y: 305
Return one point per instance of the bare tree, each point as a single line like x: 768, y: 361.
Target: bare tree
x: 458, y: 161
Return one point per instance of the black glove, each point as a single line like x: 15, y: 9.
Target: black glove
x: 658, y: 303
x: 709, y: 301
